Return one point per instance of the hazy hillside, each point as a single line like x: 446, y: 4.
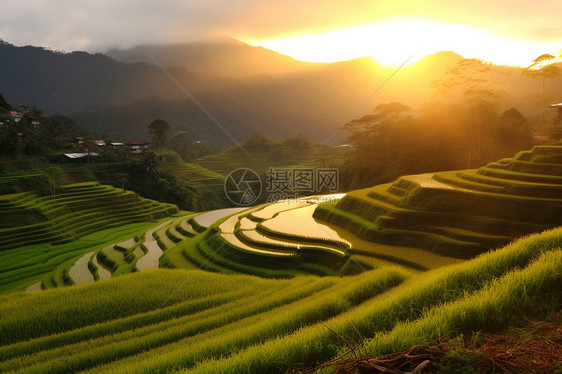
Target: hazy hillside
x: 69, y: 82
x: 246, y: 89
x: 230, y: 58
x: 238, y: 107
x: 109, y: 97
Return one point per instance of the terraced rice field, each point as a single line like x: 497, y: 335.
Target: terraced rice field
x: 194, y: 174
x: 79, y: 272
x: 412, y: 223
x: 103, y: 272
x: 458, y: 213
x: 200, y: 322
x: 88, y: 216
x: 318, y: 156
x: 283, y: 240
x: 23, y: 266
x: 126, y: 256
x: 208, y: 218
x: 34, y: 287
x: 298, y: 222
x: 152, y: 256
x: 77, y: 210
x: 271, y: 289
x: 273, y: 209
x: 233, y: 240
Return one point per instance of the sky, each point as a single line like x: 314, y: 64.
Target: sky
x: 511, y: 32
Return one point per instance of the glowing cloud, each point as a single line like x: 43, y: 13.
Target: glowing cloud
x: 392, y: 41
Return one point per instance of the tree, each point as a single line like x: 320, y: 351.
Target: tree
x: 543, y: 66
x: 367, y: 128
x: 469, y: 79
x: 159, y: 131
x: 258, y: 142
x: 182, y: 144
x: 29, y: 128
x: 5, y: 107
x: 383, y: 146
x: 91, y: 146
x: 297, y: 142
x: 53, y: 173
x: 123, y: 178
x: 148, y: 166
x: 513, y: 132
x: 59, y: 124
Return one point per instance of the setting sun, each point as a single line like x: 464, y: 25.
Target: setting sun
x: 398, y: 40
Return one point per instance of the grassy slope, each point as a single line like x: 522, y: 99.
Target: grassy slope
x: 260, y: 161
x: 212, y: 251
x: 20, y: 267
x: 194, y: 175
x: 458, y: 213
x: 28, y: 174
x: 165, y: 320
x: 491, y: 302
x: 42, y: 234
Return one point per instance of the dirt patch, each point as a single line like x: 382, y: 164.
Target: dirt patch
x: 537, y: 348
x: 534, y: 348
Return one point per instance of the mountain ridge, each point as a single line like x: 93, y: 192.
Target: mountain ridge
x: 230, y: 58
x: 109, y: 97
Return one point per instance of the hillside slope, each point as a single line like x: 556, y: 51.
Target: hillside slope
x: 113, y: 98
x: 202, y: 322
x: 458, y: 213
x: 246, y: 89
x: 78, y: 209
x: 316, y: 156
x: 228, y: 59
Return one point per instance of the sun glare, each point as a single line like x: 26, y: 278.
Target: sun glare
x: 393, y: 42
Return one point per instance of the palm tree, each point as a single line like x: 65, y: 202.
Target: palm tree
x: 541, y: 67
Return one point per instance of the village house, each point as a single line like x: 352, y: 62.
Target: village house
x: 137, y: 146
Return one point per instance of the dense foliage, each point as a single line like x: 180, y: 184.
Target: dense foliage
x: 145, y: 174
x: 26, y: 131
x: 395, y: 140
x: 189, y: 149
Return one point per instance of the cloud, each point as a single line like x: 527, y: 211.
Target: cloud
x: 97, y: 25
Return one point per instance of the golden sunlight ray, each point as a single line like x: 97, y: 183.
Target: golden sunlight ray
x: 390, y: 42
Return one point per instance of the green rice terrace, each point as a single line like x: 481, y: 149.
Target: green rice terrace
x: 458, y: 213
x: 120, y: 284
x: 261, y: 160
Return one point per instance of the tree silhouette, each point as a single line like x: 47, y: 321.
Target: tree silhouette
x: 5, y: 107
x: 52, y: 174
x: 159, y: 130
x: 542, y: 68
x: 182, y: 144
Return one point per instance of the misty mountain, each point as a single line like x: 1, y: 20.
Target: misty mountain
x: 109, y: 97
x: 265, y: 91
x: 223, y: 59
x: 69, y: 82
